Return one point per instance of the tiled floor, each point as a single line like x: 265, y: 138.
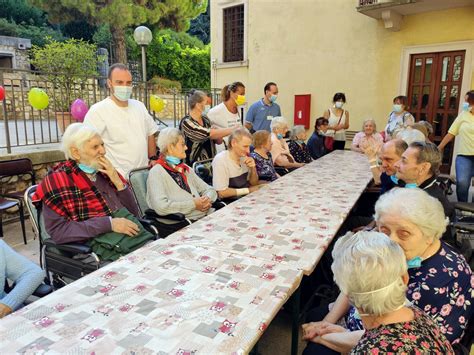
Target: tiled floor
x: 275, y: 341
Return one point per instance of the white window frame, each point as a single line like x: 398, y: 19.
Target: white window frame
x: 221, y: 5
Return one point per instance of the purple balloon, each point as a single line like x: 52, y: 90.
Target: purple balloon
x: 78, y: 110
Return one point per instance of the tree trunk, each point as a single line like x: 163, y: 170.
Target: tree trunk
x: 118, y: 36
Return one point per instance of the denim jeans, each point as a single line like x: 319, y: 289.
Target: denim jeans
x: 464, y: 174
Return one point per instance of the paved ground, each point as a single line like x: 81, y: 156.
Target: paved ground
x: 275, y: 341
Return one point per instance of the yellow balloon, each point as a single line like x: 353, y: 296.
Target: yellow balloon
x: 156, y: 103
x: 38, y: 98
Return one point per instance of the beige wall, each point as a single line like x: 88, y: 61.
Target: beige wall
x: 324, y: 46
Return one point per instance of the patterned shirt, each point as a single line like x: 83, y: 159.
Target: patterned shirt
x: 197, y: 138
x: 265, y: 169
x: 418, y: 336
x: 443, y: 287
x: 301, y: 152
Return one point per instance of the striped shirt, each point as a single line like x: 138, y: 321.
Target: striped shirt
x: 197, y: 138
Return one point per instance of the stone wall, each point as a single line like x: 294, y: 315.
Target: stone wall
x: 18, y: 48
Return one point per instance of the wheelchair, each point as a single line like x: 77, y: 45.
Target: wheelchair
x: 166, y: 224
x: 64, y: 263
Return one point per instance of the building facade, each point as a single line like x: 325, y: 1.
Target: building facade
x: 372, y: 50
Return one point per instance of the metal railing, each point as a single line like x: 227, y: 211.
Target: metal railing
x: 21, y: 125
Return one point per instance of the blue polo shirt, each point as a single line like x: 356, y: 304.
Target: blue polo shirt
x: 260, y: 115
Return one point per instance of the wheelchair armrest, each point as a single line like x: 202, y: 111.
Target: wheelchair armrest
x: 43, y: 290
x: 464, y: 206
x: 218, y: 204
x: 173, y: 216
x: 468, y: 227
x: 149, y: 226
x: 75, y: 248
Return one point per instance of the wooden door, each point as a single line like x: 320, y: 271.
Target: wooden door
x: 434, y: 93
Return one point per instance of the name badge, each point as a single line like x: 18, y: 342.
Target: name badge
x: 269, y: 118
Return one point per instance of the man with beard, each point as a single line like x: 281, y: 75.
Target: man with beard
x: 80, y: 197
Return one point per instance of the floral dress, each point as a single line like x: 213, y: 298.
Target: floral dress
x: 301, y: 152
x: 443, y: 287
x: 265, y: 169
x: 418, y: 336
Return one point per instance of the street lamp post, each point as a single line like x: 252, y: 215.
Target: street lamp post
x: 143, y: 37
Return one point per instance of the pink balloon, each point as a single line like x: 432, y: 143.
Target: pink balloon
x: 79, y: 109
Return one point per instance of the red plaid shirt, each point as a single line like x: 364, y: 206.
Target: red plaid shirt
x: 70, y: 193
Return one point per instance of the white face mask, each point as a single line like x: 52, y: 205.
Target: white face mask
x: 122, y: 93
x: 339, y: 104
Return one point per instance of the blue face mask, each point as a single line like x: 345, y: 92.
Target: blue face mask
x: 123, y: 93
x: 273, y: 98
x: 279, y: 136
x: 414, y: 262
x: 206, y: 109
x: 87, y: 169
x: 172, y: 160
x: 299, y: 141
x: 408, y: 186
x: 465, y: 106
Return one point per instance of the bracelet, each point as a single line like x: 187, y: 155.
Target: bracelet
x: 241, y: 192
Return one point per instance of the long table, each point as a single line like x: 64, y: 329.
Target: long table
x: 212, y: 288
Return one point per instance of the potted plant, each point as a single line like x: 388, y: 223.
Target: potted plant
x: 67, y: 67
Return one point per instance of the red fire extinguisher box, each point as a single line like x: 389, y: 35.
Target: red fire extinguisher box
x: 303, y: 110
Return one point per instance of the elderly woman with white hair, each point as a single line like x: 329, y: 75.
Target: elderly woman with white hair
x: 173, y: 187
x: 368, y: 137
x: 371, y: 271
x: 280, y: 151
x: 82, y: 195
x: 440, y: 280
x: 298, y: 148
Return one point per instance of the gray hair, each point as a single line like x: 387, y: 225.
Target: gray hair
x: 369, y: 120
x: 76, y: 135
x: 410, y: 135
x: 428, y: 153
x: 296, y: 130
x: 415, y: 206
x: 400, y: 145
x: 168, y: 137
x: 368, y: 268
x: 278, y: 122
x: 237, y: 134
x: 429, y: 126
x: 195, y: 97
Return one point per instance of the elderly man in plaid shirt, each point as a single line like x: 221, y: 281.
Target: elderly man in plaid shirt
x: 80, y: 195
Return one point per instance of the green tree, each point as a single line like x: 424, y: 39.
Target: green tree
x: 122, y: 14
x: 188, y: 64
x: 201, y: 26
x: 67, y: 65
x: 19, y: 11
x: 37, y: 34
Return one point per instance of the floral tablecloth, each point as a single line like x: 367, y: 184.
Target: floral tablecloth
x: 162, y: 299
x: 291, y: 220
x: 212, y: 288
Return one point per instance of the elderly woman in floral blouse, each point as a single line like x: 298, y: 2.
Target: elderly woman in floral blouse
x: 440, y: 280
x: 371, y: 270
x: 298, y: 148
x: 262, y: 143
